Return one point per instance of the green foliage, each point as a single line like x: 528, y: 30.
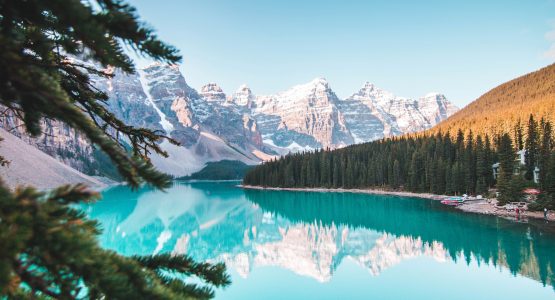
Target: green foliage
x: 49, y: 250
x: 41, y: 77
x: 434, y: 164
x: 482, y: 167
x: 546, y: 146
x: 506, y: 155
x: 512, y: 190
x: 532, y: 148
x: 52, y: 249
x: 221, y: 170
x: 422, y: 164
x: 547, y: 197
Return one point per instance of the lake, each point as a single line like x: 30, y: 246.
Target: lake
x: 316, y: 245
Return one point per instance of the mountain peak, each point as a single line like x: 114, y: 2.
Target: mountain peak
x: 434, y: 95
x: 212, y: 92
x: 151, y: 65
x: 211, y: 87
x: 243, y: 89
x: 368, y: 86
x: 319, y: 82
x: 370, y: 91
x: 243, y: 95
x: 160, y: 65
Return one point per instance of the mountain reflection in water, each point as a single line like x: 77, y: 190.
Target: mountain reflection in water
x: 312, y: 233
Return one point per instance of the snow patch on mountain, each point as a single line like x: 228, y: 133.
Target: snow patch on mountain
x: 168, y: 127
x: 251, y: 128
x: 211, y: 126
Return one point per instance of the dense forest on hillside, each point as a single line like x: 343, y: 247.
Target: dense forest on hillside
x: 439, y: 163
x: 499, y: 109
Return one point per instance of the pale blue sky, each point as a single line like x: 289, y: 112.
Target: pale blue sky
x: 459, y: 48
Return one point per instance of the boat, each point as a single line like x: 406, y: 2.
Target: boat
x: 453, y: 200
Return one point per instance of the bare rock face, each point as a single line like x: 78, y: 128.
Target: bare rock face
x: 243, y: 97
x: 212, y: 92
x: 211, y: 125
x: 128, y: 100
x: 305, y: 117
x: 30, y: 166
x: 205, y: 123
x: 172, y: 99
x: 183, y: 111
x: 57, y: 140
x: 436, y: 108
x: 397, y: 115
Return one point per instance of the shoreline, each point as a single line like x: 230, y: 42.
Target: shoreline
x: 208, y: 180
x: 475, y: 206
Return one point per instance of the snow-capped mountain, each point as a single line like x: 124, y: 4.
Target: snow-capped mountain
x: 212, y: 125
x: 311, y: 116
x: 208, y: 128
x: 305, y: 116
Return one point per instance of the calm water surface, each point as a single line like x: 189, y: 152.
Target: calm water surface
x: 307, y: 245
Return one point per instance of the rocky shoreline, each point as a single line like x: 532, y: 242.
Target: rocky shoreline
x: 486, y: 207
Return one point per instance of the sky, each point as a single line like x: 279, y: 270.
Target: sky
x: 458, y: 48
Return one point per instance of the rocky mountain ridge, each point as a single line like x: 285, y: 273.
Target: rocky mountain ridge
x: 212, y: 125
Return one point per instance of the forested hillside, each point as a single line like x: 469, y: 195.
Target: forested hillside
x: 498, y: 110
x: 454, y: 157
x: 439, y: 164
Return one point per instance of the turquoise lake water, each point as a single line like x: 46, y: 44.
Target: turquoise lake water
x: 310, y: 245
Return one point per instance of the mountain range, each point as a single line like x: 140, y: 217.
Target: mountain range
x: 211, y: 125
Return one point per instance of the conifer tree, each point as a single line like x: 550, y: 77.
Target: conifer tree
x: 531, y: 155
x: 421, y: 163
x: 519, y: 137
x: 548, y: 195
x: 481, y: 167
x: 470, y: 164
x: 513, y: 190
x: 545, y: 150
x: 48, y: 249
x: 396, y: 174
x: 449, y: 183
x: 489, y: 161
x: 506, y: 167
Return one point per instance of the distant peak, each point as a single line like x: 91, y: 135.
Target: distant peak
x: 434, y: 96
x: 243, y: 89
x: 242, y: 96
x: 212, y: 92
x: 151, y: 65
x: 370, y: 91
x: 318, y: 83
x: 211, y: 87
x: 160, y: 64
x: 320, y: 80
x: 368, y: 86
